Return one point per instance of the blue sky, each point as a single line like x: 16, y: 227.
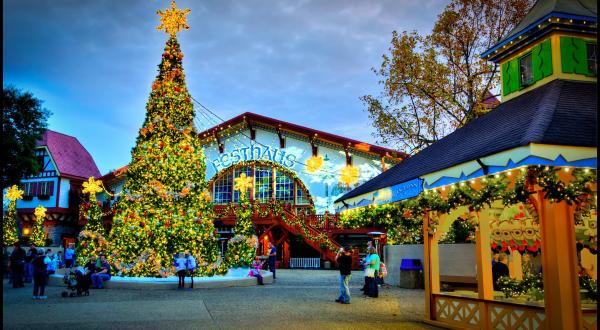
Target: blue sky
x: 306, y: 62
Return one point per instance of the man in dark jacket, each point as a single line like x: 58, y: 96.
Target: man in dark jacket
x: 17, y: 266
x: 344, y: 261
x: 498, y: 270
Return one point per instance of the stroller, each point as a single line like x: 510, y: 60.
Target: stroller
x: 78, y: 283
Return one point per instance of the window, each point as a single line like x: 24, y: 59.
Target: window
x: 238, y: 172
x: 592, y: 58
x: 45, y: 188
x: 301, y: 196
x: 223, y: 187
x: 28, y: 189
x: 262, y: 184
x: 525, y: 69
x: 284, y: 187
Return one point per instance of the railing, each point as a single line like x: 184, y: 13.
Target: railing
x: 305, y: 262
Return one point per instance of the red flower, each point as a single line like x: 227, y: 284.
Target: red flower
x: 520, y: 207
x: 494, y: 245
x: 131, y: 215
x: 198, y: 221
x: 162, y: 144
x: 504, y: 244
x: 522, y: 248
x: 532, y: 248
x: 512, y: 242
x: 168, y: 212
x: 521, y: 214
x: 537, y: 243
x: 503, y: 249
x: 177, y: 89
x: 524, y: 242
x: 168, y: 224
x: 187, y: 100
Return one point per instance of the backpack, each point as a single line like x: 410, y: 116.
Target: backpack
x: 382, y: 270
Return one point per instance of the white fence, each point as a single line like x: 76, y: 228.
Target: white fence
x: 305, y: 263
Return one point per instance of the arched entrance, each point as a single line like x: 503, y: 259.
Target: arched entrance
x: 272, y: 183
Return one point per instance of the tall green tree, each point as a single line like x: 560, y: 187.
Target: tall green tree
x: 166, y: 208
x: 23, y: 123
x: 433, y: 84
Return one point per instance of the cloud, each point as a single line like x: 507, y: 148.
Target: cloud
x: 305, y: 62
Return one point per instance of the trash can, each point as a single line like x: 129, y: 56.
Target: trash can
x: 411, y: 274
x: 327, y: 264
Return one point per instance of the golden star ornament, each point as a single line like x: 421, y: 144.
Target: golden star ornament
x: 173, y: 20
x: 40, y: 212
x: 242, y: 183
x: 13, y: 193
x: 92, y: 186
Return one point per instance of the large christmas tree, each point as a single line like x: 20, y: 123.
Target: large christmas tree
x: 166, y: 208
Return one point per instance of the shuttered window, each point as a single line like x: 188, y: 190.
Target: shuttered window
x: 574, y: 55
x: 525, y: 70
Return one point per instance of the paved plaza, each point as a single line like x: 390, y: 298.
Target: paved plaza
x: 300, y: 299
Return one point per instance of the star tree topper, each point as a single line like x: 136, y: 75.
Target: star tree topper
x: 92, y: 186
x: 243, y: 183
x: 13, y: 193
x: 40, y: 212
x: 173, y: 20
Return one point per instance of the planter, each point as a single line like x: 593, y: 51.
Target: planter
x: 27, y: 198
x: 43, y: 197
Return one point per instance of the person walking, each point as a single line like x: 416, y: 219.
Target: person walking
x: 40, y: 275
x: 180, y: 268
x: 344, y: 261
x: 102, y: 274
x: 373, y: 267
x: 69, y: 256
x: 272, y: 258
x: 190, y: 266
x: 17, y: 266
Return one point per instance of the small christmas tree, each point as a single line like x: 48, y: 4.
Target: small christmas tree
x: 92, y: 239
x: 9, y: 224
x: 241, y: 248
x: 38, y: 236
x: 166, y: 209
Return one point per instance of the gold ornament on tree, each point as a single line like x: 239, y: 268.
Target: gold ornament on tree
x: 243, y: 183
x: 173, y: 20
x: 13, y: 193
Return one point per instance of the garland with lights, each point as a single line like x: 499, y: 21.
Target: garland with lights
x: 531, y: 287
x: 10, y: 232
x: 396, y: 217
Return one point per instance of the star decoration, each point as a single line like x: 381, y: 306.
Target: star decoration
x: 243, y: 183
x: 92, y: 186
x: 173, y: 20
x: 40, y: 212
x: 349, y: 175
x: 314, y: 163
x: 13, y: 193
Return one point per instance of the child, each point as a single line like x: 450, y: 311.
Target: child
x: 51, y: 262
x: 191, y: 266
x: 255, y: 270
x: 180, y: 267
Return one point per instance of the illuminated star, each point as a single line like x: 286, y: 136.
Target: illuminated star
x: 40, y: 212
x: 173, y: 20
x: 13, y: 193
x: 92, y: 186
x: 242, y: 183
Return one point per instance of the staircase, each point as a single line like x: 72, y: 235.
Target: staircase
x: 310, y: 233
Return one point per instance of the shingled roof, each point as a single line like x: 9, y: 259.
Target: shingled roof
x: 561, y: 112
x: 71, y: 158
